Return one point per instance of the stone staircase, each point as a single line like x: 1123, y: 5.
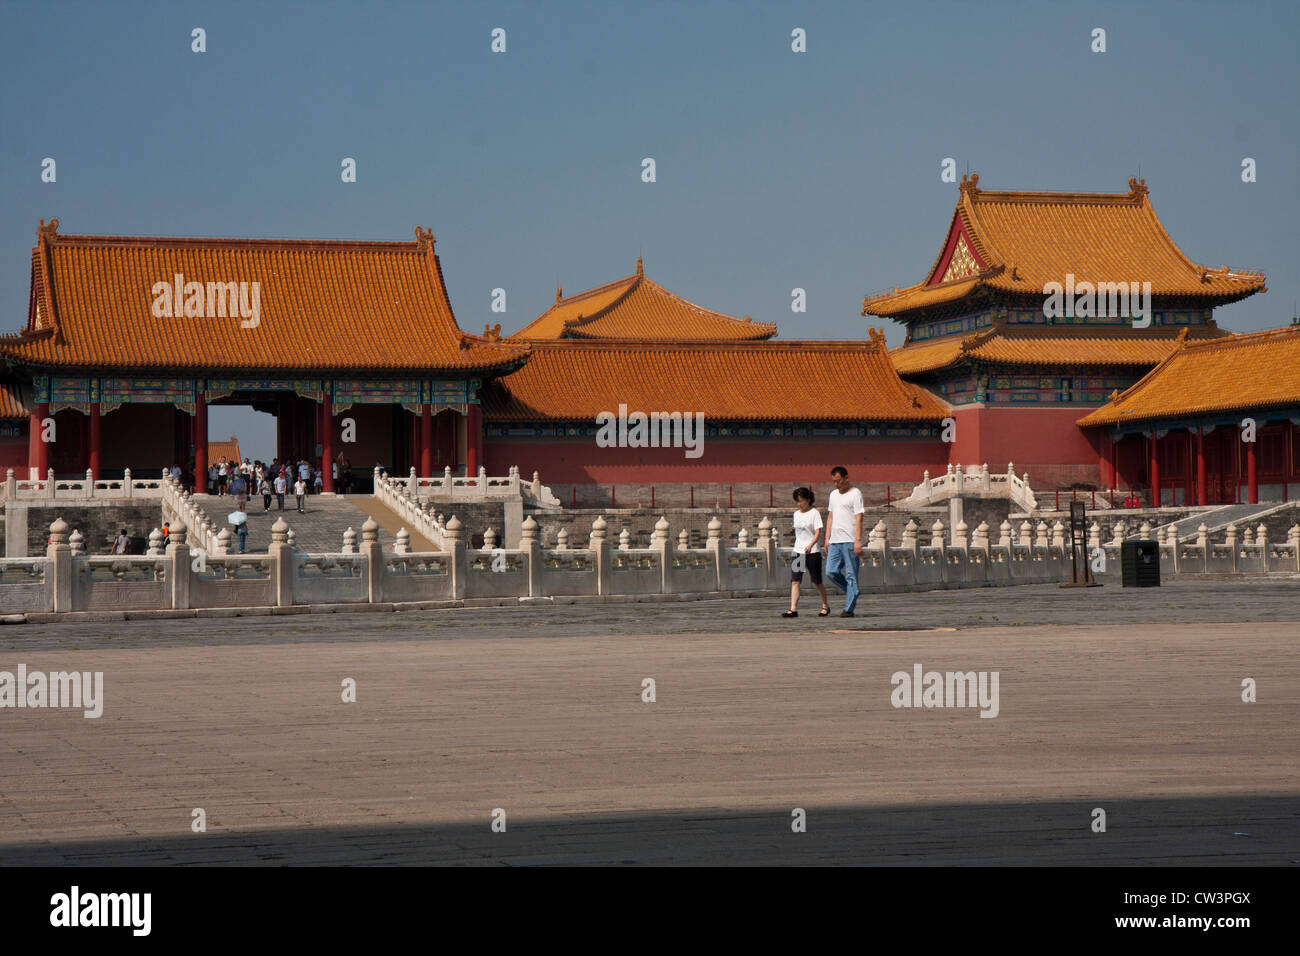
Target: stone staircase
x: 319, y: 529
x: 1220, y: 518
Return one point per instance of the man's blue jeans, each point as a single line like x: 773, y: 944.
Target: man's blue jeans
x: 842, y: 569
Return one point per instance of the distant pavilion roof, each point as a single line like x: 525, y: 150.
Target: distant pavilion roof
x: 737, y: 381
x: 325, y: 305
x: 1072, y: 345
x: 1017, y: 242
x: 1255, y: 370
x: 223, y: 448
x: 637, y: 307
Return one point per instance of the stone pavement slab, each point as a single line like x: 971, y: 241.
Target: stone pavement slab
x: 1145, y: 722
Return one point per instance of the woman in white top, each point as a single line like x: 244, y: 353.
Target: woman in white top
x: 807, y: 551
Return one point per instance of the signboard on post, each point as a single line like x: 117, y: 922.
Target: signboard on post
x: 1080, y: 568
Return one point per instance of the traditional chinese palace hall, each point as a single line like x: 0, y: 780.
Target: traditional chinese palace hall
x: 356, y: 350
x: 775, y: 411
x: 348, y: 333
x: 1019, y: 381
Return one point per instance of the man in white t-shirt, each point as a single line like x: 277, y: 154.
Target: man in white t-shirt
x: 844, y: 537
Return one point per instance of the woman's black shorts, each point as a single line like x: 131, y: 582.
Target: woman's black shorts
x: 813, y: 562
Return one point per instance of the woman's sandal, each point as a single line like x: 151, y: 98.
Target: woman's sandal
x: 823, y: 612
x: 790, y: 614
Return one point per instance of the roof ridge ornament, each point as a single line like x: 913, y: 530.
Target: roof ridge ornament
x: 877, y: 337
x: 424, y: 236
x: 48, y: 230
x: 1136, y: 187
x: 640, y: 267
x: 493, y: 332
x: 970, y: 183
x: 559, y: 293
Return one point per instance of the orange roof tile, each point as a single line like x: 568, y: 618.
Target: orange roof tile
x: 1004, y: 344
x: 637, y: 307
x: 324, y: 305
x: 929, y: 355
x: 1020, y: 241
x: 737, y: 381
x: 1255, y: 370
x: 227, y: 449
x: 11, y: 401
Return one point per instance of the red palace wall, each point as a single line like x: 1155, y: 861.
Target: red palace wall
x: 13, y: 454
x: 1045, y: 442
x: 580, y: 461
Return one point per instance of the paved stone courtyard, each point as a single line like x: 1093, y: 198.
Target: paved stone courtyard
x: 1122, y: 699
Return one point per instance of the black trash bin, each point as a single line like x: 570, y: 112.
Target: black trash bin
x: 1140, y: 563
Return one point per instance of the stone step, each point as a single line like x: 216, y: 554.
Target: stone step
x: 318, y: 529
x: 1220, y: 518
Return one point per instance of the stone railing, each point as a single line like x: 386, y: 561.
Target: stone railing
x: 1248, y: 553
x: 79, y: 489
x: 186, y: 578
x: 399, y: 496
x: 480, y: 487
x: 978, y: 482
x: 177, y: 505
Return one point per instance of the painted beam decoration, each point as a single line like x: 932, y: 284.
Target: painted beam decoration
x: 147, y: 391
x: 75, y: 393
x: 723, y: 430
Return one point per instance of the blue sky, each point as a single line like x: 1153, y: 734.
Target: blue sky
x: 775, y: 170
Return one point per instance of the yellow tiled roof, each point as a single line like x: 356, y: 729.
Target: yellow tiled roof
x: 1256, y: 370
x: 1020, y: 241
x: 1091, y: 345
x: 223, y: 448
x: 637, y: 307
x: 814, y: 381
x: 323, y: 305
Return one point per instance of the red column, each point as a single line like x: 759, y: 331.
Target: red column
x: 412, y: 441
x: 94, y: 439
x: 426, y: 441
x: 38, y: 453
x: 1114, y: 462
x: 439, y: 440
x: 1252, y: 476
x: 1155, y: 470
x: 1106, y: 479
x: 200, y: 442
x: 1236, y: 468
x: 1202, y: 495
x: 327, y: 443
x: 473, y: 440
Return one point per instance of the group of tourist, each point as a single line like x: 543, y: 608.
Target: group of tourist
x: 243, y: 479
x: 224, y: 476
x: 842, y: 533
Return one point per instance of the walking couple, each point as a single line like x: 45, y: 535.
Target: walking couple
x: 843, y: 532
